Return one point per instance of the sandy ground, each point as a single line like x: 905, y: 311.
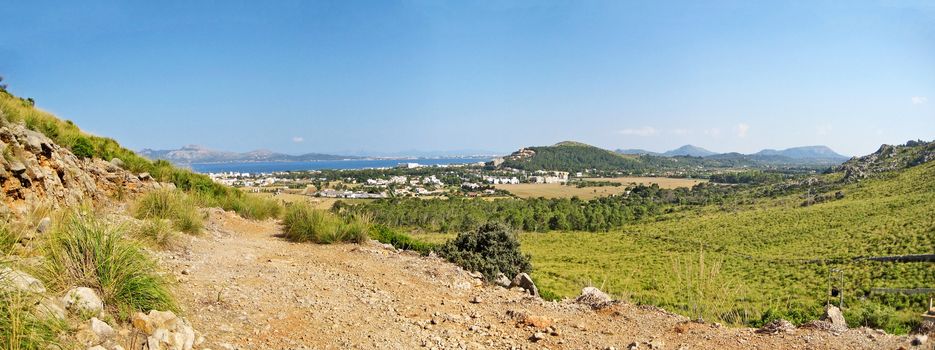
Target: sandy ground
x: 245, y: 288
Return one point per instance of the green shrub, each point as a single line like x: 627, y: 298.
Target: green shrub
x: 303, y: 223
x: 172, y: 205
x: 21, y: 328
x: 399, y: 240
x: 874, y: 315
x: 82, y: 147
x: 87, y: 252
x: 491, y: 249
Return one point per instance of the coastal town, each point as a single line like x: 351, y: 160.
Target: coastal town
x: 405, y: 180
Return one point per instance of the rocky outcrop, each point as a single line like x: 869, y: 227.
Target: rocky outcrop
x: 34, y: 172
x: 165, y: 330
x: 888, y: 158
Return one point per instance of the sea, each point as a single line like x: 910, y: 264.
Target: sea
x: 269, y: 167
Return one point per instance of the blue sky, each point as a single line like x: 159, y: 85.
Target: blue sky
x: 350, y: 76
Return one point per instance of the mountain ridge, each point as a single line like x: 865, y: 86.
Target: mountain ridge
x: 189, y: 154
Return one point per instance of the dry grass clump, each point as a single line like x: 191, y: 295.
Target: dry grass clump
x: 302, y: 223
x: 175, y: 206
x: 85, y: 251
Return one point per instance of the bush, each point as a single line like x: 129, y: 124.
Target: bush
x: 21, y: 328
x: 303, y: 223
x: 87, y: 252
x: 82, y: 148
x: 171, y: 205
x: 398, y: 240
x: 874, y: 315
x: 491, y: 249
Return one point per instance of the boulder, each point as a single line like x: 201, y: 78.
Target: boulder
x: 834, y: 316
x: 117, y: 162
x: 164, y: 330
x: 776, y: 326
x: 503, y: 281
x: 145, y: 176
x: 523, y: 281
x: 15, y: 280
x: 83, y: 300
x: 44, y: 225
x: 50, y: 308
x: 593, y: 297
x: 919, y: 339
x: 101, y: 329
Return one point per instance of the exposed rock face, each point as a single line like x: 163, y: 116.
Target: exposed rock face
x: 164, y: 330
x: 14, y: 280
x: 523, y: 280
x: 834, y: 316
x: 83, y: 300
x: 34, y: 171
x: 888, y: 158
x: 593, y: 297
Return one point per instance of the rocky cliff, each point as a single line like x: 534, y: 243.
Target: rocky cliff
x: 36, y: 172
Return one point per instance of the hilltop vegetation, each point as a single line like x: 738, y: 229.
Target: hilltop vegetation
x: 685, y: 161
x: 65, y: 133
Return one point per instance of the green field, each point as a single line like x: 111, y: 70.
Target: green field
x: 732, y: 264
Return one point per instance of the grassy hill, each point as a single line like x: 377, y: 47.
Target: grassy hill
x: 65, y: 133
x: 576, y: 156
x: 762, y: 257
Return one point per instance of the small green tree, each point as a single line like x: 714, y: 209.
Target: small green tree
x: 82, y: 148
x: 491, y: 249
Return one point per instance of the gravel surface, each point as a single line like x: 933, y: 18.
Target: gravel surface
x: 244, y: 287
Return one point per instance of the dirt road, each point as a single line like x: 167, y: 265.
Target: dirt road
x: 245, y: 288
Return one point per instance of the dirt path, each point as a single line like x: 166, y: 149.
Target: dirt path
x: 245, y: 288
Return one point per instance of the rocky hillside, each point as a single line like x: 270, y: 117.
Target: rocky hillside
x: 36, y: 172
x: 888, y: 158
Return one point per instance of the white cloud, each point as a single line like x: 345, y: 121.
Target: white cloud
x: 298, y: 139
x: 644, y: 131
x: 742, y: 129
x: 918, y: 100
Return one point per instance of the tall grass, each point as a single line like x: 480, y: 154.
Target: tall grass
x: 157, y: 232
x: 247, y: 206
x: 21, y: 328
x: 170, y: 205
x: 702, y: 291
x: 8, y: 239
x: 87, y: 252
x: 302, y: 223
x: 400, y: 240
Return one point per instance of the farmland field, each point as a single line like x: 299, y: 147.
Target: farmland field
x: 316, y: 202
x: 664, y: 182
x: 563, y: 191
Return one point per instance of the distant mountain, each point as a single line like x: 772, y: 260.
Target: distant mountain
x: 806, y: 152
x: 689, y: 150
x: 636, y: 151
x: 198, y: 154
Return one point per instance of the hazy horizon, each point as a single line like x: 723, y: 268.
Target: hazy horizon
x: 301, y: 77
